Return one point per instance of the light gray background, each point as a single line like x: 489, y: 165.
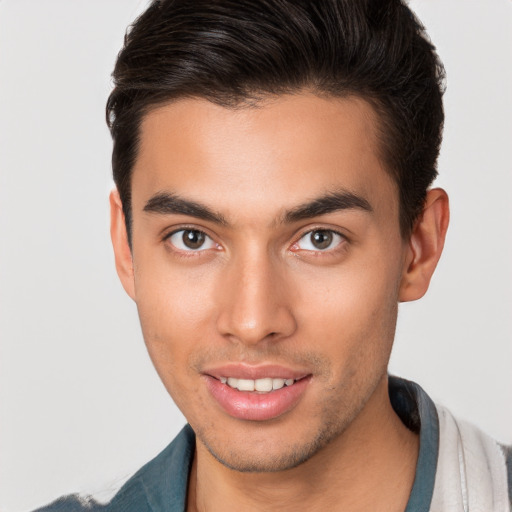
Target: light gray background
x: 80, y: 405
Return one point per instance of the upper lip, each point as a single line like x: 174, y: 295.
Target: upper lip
x: 254, y: 372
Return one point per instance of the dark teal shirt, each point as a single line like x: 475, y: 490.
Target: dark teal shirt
x: 161, y: 485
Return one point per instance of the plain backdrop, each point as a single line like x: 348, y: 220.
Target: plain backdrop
x: 80, y: 405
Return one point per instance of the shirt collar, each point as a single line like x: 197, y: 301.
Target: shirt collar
x: 165, y: 478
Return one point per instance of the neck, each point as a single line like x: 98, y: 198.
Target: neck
x: 371, y: 466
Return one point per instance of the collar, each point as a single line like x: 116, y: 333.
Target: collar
x: 161, y: 485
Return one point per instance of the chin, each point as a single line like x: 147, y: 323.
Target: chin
x: 266, y: 455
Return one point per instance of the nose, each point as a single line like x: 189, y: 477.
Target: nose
x: 255, y: 301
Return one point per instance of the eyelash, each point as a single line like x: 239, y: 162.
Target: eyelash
x: 190, y: 252
x: 294, y: 246
x: 319, y: 252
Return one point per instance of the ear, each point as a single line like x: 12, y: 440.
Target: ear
x: 122, y: 251
x: 425, y: 246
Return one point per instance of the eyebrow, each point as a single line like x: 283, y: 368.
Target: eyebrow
x: 166, y: 203
x: 329, y: 203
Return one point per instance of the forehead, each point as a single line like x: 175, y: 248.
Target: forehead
x: 271, y: 156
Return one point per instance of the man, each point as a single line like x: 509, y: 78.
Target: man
x: 273, y: 162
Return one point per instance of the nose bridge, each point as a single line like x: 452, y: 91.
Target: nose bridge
x: 255, y: 305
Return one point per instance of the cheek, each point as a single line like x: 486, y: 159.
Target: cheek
x: 356, y: 334
x: 172, y: 299
x: 175, y: 313
x: 351, y: 312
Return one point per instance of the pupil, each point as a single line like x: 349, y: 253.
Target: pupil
x: 321, y: 239
x: 193, y: 239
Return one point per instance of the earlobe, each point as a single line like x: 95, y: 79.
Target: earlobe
x: 122, y: 251
x: 425, y: 246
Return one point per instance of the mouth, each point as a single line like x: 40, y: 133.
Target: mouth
x: 256, y: 394
x: 265, y: 385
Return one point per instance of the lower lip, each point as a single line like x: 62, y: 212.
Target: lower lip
x: 247, y: 405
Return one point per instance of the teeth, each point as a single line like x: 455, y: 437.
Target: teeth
x: 245, y: 385
x: 232, y: 382
x: 277, y: 383
x: 261, y: 385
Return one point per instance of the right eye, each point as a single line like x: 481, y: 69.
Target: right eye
x: 191, y: 240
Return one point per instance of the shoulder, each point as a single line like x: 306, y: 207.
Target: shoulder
x: 472, y: 467
x: 161, y: 482
x: 73, y: 503
x: 459, y: 467
x: 507, y: 454
x: 133, y: 498
x: 507, y: 451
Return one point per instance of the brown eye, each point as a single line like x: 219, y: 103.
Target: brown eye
x: 320, y: 240
x: 191, y: 240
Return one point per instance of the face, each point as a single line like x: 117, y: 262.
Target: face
x: 267, y: 264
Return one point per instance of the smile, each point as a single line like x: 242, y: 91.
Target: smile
x: 265, y: 385
x: 256, y: 393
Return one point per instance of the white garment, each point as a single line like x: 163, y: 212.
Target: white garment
x: 471, y: 471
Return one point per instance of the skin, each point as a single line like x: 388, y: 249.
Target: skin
x: 259, y: 292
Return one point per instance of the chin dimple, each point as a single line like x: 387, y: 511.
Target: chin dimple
x: 265, y: 385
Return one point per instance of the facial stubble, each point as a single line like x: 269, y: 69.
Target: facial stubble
x: 337, y: 409
x: 331, y: 427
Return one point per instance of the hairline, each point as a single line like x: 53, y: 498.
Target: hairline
x: 259, y: 99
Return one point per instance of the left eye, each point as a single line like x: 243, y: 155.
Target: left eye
x: 319, y: 240
x: 191, y: 240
